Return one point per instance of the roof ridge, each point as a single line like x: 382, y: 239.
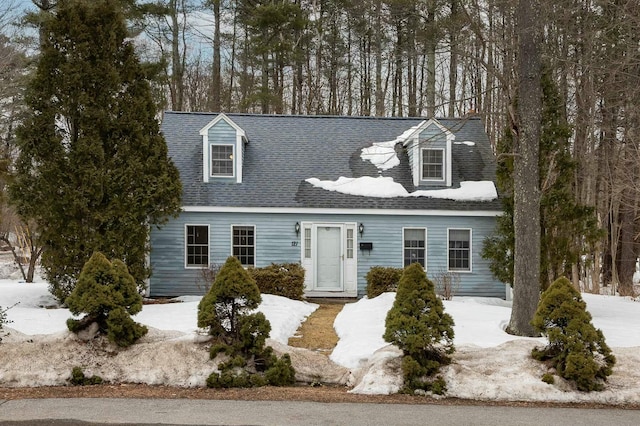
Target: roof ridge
x: 320, y: 116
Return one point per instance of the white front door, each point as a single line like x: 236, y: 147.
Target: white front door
x: 329, y: 261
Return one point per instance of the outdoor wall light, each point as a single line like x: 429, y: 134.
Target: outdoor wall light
x: 361, y: 229
x: 297, y: 228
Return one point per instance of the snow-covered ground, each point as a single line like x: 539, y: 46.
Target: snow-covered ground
x: 488, y: 364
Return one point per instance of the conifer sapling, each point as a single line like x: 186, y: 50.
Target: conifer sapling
x: 107, y: 293
x: 418, y: 325
x: 576, y: 349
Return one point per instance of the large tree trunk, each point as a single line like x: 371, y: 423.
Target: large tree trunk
x: 526, y: 219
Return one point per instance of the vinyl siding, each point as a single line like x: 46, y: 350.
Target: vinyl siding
x: 277, y: 242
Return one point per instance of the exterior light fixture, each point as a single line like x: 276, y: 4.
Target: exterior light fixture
x: 297, y: 228
x: 361, y: 228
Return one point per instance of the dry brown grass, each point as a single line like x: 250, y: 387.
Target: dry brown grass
x: 317, y: 332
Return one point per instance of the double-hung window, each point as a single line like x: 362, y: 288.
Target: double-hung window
x: 432, y: 164
x: 459, y: 250
x: 222, y: 160
x: 415, y: 244
x: 197, y: 246
x: 244, y: 244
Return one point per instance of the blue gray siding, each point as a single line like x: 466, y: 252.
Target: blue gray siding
x: 276, y: 241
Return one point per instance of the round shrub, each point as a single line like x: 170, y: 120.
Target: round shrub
x: 576, y: 349
x: 381, y: 279
x: 108, y: 295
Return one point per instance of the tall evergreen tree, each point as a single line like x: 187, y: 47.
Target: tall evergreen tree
x: 272, y: 27
x: 93, y: 168
x: 568, y: 228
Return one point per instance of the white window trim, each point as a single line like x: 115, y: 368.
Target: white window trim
x: 426, y: 245
x: 186, y: 257
x: 443, y: 164
x: 255, y: 242
x: 233, y: 161
x: 461, y: 271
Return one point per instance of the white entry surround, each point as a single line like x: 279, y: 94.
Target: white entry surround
x: 330, y: 258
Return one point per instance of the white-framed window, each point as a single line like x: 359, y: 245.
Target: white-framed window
x: 432, y: 164
x: 459, y: 252
x: 197, y: 246
x: 243, y: 244
x: 222, y: 161
x: 414, y: 246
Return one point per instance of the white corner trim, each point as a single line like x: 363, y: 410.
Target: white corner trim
x: 417, y: 159
x: 206, y: 157
x: 238, y: 157
x: 450, y: 138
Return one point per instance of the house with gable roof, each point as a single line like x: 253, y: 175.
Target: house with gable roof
x: 337, y: 194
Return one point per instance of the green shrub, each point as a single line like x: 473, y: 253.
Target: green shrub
x: 122, y: 330
x: 281, y: 279
x: 219, y: 348
x: 232, y: 295
x: 381, y: 279
x: 226, y: 311
x: 79, y: 379
x: 108, y: 295
x: 281, y: 373
x: 229, y: 379
x: 253, y: 333
x: 418, y: 325
x: 548, y: 378
x: 576, y: 349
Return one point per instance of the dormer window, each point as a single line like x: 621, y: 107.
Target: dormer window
x: 429, y: 148
x: 223, y: 148
x: 433, y: 164
x: 222, y: 161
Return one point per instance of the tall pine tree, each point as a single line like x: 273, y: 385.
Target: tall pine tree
x: 567, y: 228
x: 93, y: 168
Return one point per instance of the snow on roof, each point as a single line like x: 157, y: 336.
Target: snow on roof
x: 386, y: 187
x: 383, y: 154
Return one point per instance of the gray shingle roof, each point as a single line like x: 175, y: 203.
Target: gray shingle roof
x: 284, y: 150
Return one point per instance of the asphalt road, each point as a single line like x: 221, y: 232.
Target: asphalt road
x: 84, y: 411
